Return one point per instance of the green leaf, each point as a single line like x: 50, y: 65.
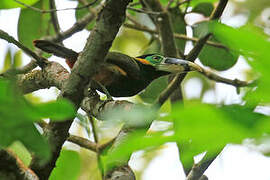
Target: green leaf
x: 179, y: 26
x: 8, y: 4
x: 151, y: 93
x: 132, y: 142
x: 138, y: 116
x: 243, y: 115
x: 202, y: 127
x: 34, y: 25
x: 17, y: 59
x: 19, y: 149
x: 193, y: 3
x: 7, y: 61
x: 255, y: 47
x: 130, y: 42
x: 56, y: 110
x: 17, y: 116
x: 204, y: 8
x: 216, y: 58
x: 153, y: 46
x: 67, y: 166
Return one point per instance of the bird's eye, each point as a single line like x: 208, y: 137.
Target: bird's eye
x: 156, y: 58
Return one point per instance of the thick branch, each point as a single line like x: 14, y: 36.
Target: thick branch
x: 108, y: 23
x: 52, y: 75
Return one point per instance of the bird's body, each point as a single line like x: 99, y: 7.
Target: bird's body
x: 121, y: 75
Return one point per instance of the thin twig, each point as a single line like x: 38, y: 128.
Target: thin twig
x: 198, y: 169
x: 176, y: 35
x: 54, y: 10
x: 143, y: 11
x: 234, y: 82
x: 54, y: 17
x: 94, y: 129
x: 39, y: 60
x: 22, y: 70
x: 78, y: 26
x: 83, y: 142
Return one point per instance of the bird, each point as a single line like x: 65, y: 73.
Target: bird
x: 122, y: 75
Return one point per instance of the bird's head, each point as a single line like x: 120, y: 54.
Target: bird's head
x: 168, y: 64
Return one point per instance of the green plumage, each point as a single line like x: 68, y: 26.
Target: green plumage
x: 122, y: 75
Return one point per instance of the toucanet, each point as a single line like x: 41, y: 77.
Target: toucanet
x: 122, y: 75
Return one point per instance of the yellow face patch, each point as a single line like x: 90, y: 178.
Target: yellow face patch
x: 143, y: 61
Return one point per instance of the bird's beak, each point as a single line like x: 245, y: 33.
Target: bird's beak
x: 174, y: 65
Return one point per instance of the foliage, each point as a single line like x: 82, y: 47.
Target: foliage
x: 18, y: 115
x: 33, y: 25
x: 7, y: 4
x: 198, y: 127
x: 67, y: 166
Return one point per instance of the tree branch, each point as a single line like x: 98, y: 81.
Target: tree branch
x: 193, y: 54
x: 53, y: 74
x: 219, y: 10
x: 54, y: 10
x: 197, y: 170
x: 78, y: 26
x: 176, y: 35
x: 83, y: 142
x: 39, y: 60
x: 108, y: 23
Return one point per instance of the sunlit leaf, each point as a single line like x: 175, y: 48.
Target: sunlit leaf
x: 67, y: 166
x: 7, y: 61
x: 130, y: 42
x: 196, y: 2
x: 8, y: 4
x: 17, y: 59
x: 19, y: 149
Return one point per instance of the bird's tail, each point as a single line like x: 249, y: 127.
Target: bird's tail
x: 56, y: 49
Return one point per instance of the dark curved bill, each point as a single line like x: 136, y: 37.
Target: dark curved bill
x: 174, y: 65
